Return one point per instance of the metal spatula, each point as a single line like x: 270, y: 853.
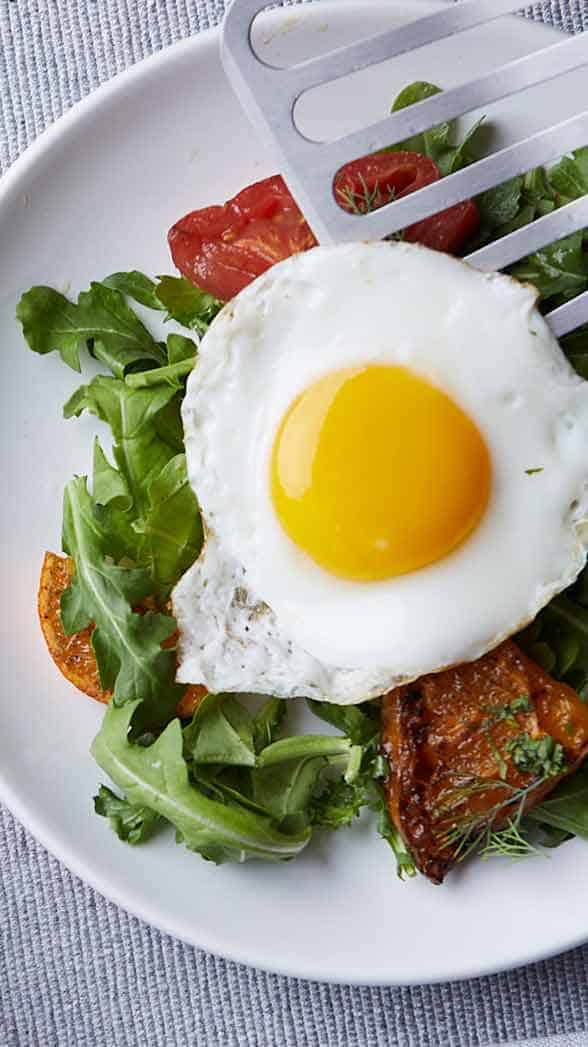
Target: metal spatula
x: 269, y: 95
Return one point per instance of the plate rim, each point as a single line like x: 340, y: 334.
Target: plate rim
x: 10, y: 182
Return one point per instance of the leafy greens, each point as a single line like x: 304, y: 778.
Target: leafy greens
x: 231, y: 781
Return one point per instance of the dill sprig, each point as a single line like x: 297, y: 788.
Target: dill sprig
x: 508, y: 842
x: 477, y: 831
x: 365, y: 199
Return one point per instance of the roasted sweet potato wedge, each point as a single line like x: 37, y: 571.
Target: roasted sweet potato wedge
x: 470, y: 747
x: 73, y: 655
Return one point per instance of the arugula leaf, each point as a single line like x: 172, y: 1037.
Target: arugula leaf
x: 186, y: 304
x: 171, y: 374
x: 285, y: 789
x: 131, y: 823
x: 515, y: 203
x: 50, y: 322
x: 181, y: 355
x: 361, y: 723
x: 109, y: 486
x: 467, y: 152
x: 139, y: 450
x: 179, y: 348
x: 566, y: 808
x: 499, y: 206
x: 101, y: 320
x: 428, y: 143
x: 337, y: 804
x: 137, y: 286
x: 561, y: 268
x: 278, y: 778
x: 303, y: 746
x: 157, y: 777
x: 127, y: 645
x: 439, y: 143
x: 570, y: 176
x: 575, y: 346
x: 150, y: 511
x: 171, y: 529
x: 220, y: 732
x: 405, y: 866
x: 266, y: 724
x: 558, y: 638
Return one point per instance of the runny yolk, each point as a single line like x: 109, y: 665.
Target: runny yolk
x: 375, y: 472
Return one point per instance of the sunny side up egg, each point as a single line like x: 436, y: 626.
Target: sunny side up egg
x: 390, y: 452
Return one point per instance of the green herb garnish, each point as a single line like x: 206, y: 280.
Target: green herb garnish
x: 538, y: 756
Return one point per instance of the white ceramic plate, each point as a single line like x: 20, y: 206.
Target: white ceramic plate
x: 96, y: 194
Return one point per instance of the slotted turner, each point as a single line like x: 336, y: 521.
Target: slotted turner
x: 269, y: 95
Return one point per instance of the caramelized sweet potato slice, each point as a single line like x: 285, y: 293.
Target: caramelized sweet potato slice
x: 467, y: 746
x: 73, y: 655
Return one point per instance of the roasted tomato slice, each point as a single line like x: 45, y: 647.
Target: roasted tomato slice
x: 222, y: 249
x: 373, y: 181
x: 368, y: 183
x: 447, y: 231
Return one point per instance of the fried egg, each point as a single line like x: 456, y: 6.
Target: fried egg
x: 390, y: 452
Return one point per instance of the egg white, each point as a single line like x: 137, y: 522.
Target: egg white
x: 255, y: 612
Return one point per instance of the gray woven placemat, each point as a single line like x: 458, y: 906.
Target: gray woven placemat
x: 76, y: 971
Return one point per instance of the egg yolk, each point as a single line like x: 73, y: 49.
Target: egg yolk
x: 375, y: 472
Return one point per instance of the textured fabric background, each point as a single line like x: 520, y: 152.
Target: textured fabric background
x: 75, y: 971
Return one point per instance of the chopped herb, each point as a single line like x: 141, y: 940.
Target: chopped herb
x: 538, y: 756
x: 500, y: 761
x: 532, y: 472
x: 506, y: 712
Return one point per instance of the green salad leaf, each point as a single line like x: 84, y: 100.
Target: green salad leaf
x: 558, y: 638
x: 499, y: 208
x: 361, y: 723
x: 560, y: 269
x: 157, y: 777
x: 101, y: 320
x: 127, y: 645
x: 137, y: 286
x: 221, y: 731
x: 569, y: 177
x: 186, y: 304
x: 171, y: 529
x: 566, y: 808
x: 338, y: 803
x: 109, y: 486
x: 440, y: 143
x: 181, y: 357
x: 286, y: 788
x: 139, y: 450
x: 149, y: 508
x: 131, y: 822
x: 267, y: 723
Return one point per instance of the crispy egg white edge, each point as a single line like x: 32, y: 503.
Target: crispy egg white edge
x: 223, y: 410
